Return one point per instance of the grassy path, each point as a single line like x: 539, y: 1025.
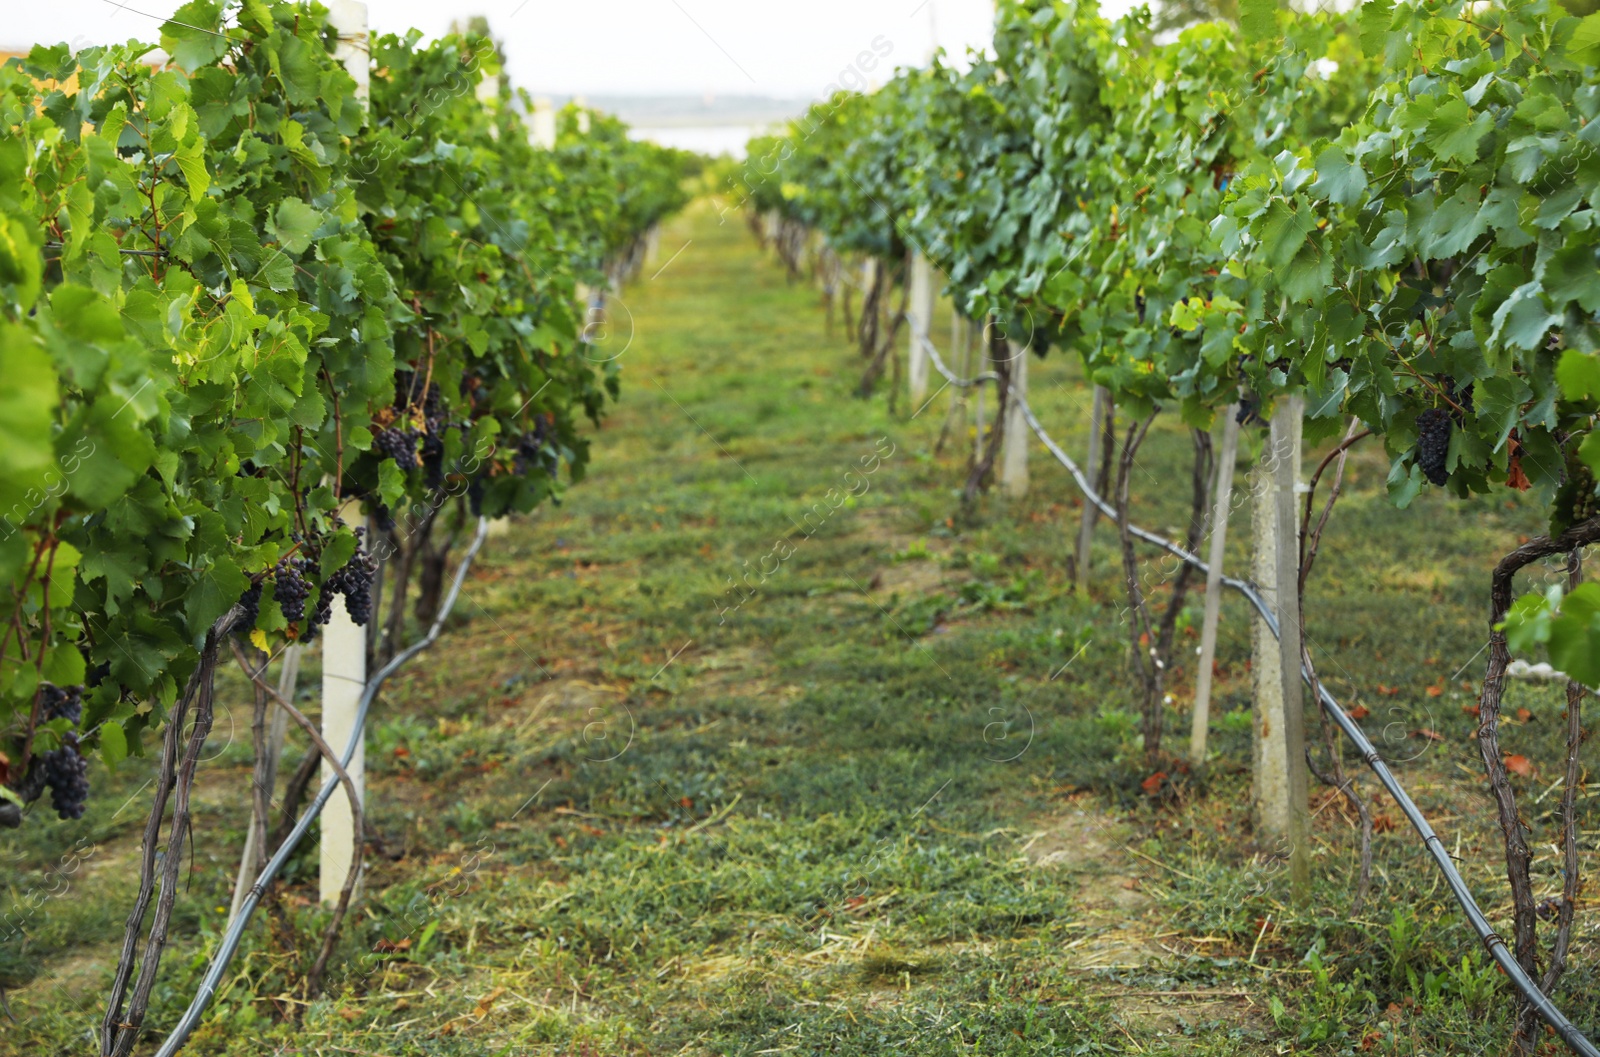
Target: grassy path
x: 758, y: 745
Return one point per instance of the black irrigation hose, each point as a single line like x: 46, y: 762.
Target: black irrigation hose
x: 230, y: 940
x: 1369, y: 754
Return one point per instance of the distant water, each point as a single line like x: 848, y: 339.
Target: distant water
x: 706, y: 139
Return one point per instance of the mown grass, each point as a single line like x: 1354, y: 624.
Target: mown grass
x: 616, y: 813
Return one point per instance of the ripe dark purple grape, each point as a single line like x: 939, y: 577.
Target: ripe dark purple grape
x: 1433, y: 443
x: 290, y: 588
x: 251, y: 600
x: 399, y: 445
x: 354, y: 581
x: 61, y: 702
x: 66, y: 772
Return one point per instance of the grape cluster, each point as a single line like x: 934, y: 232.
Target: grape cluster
x: 1249, y: 410
x: 291, y: 588
x: 61, y: 702
x: 354, y: 581
x: 399, y: 445
x: 408, y: 395
x: 532, y: 452
x: 66, y: 772
x: 1433, y: 443
x: 1462, y: 396
x: 251, y: 600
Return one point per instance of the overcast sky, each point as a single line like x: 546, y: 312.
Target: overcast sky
x: 758, y: 47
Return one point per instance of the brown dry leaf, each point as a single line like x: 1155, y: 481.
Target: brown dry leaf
x: 1388, y: 691
x: 1436, y: 690
x: 1519, y: 765
x: 1524, y: 715
x: 1382, y: 823
x: 1424, y: 732
x: 1471, y: 710
x: 389, y: 947
x: 1515, y: 478
x: 486, y: 1003
x: 1359, y: 712
x: 1152, y: 785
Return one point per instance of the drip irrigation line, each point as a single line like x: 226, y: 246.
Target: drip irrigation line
x: 230, y: 940
x: 1369, y: 754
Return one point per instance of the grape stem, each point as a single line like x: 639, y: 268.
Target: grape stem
x: 331, y: 933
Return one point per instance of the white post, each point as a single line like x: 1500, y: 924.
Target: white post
x: 1280, y: 784
x: 919, y: 317
x: 349, y: 19
x: 1014, y: 445
x: 542, y: 129
x: 1208, y: 626
x: 344, y: 644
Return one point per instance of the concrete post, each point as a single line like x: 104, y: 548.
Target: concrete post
x: 1280, y: 783
x: 919, y: 320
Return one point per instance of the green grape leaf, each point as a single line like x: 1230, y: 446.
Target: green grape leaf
x: 1375, y: 19
x: 1583, y: 46
x: 213, y: 593
x: 294, y: 224
x: 1258, y: 18
x: 1455, y: 134
x: 113, y: 743
x: 1578, y: 374
x: 27, y: 402
x: 193, y: 36
x: 191, y: 159
x: 1338, y: 179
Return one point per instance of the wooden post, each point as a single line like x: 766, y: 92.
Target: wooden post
x: 919, y: 320
x: 1091, y: 469
x: 1014, y: 445
x: 1208, y: 626
x: 961, y: 362
x: 980, y: 358
x: 1280, y: 784
x: 344, y: 644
